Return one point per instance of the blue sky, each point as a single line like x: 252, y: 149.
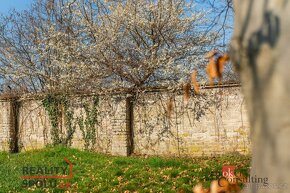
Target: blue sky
x: 6, y: 5
x: 19, y: 5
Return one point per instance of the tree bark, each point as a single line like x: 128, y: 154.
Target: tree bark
x: 261, y: 52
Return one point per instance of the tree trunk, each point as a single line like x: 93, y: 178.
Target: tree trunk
x: 260, y: 50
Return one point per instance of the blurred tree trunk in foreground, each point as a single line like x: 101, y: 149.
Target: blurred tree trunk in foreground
x: 261, y: 52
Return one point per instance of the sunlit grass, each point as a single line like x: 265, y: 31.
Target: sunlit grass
x: 93, y: 172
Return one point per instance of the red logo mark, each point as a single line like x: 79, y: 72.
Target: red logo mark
x: 228, y: 171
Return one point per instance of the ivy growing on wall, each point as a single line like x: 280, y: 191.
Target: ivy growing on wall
x: 51, y: 105
x: 71, y: 127
x: 87, y: 123
x: 57, y: 107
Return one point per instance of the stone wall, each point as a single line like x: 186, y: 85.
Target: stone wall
x: 214, y: 122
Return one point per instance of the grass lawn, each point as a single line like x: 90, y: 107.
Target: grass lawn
x: 94, y: 172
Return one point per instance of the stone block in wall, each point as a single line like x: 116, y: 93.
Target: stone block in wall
x: 120, y: 130
x: 6, y: 124
x: 34, y: 125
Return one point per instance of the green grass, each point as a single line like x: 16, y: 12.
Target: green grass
x: 93, y: 172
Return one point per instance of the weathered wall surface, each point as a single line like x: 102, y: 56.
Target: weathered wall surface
x: 110, y: 125
x: 34, y: 125
x: 5, y: 123
x: 214, y: 122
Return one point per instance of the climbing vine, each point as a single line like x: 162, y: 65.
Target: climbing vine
x: 71, y: 127
x: 50, y: 103
x: 57, y: 107
x: 88, y: 123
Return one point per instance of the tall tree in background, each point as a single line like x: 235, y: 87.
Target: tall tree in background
x: 102, y: 45
x: 260, y: 50
x: 145, y: 42
x: 32, y: 47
